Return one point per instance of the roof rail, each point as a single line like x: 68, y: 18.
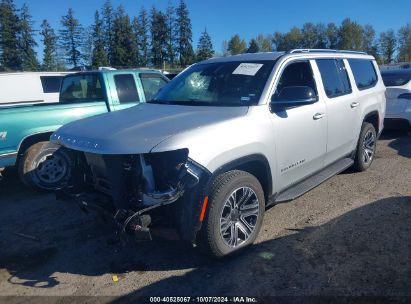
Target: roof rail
x: 324, y: 51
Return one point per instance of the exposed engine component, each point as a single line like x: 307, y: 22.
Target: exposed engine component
x: 133, y: 185
x: 138, y: 181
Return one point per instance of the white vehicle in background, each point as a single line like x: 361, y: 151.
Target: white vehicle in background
x: 398, y: 94
x: 30, y: 87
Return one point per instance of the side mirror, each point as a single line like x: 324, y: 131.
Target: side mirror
x: 293, y: 96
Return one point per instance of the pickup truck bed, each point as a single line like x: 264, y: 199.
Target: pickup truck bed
x: 40, y: 121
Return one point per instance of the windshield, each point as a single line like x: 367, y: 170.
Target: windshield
x: 81, y: 88
x: 218, y: 84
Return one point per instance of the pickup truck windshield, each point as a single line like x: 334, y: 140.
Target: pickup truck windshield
x: 81, y: 88
x: 232, y: 83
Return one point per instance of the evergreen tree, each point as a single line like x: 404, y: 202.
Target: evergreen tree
x: 9, y: 43
x: 253, y: 46
x: 142, y: 37
x: 107, y: 28
x: 184, y: 35
x: 71, y: 38
x: 49, y: 40
x: 171, y: 32
x: 135, y: 25
x: 236, y: 45
x: 350, y: 35
x: 99, y: 55
x: 158, y: 37
x: 125, y: 45
x: 60, y: 57
x: 205, y: 47
x: 87, y: 46
x: 26, y: 41
x: 404, y: 43
x: 388, y: 44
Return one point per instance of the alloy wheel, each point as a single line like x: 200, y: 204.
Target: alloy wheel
x: 368, y: 147
x: 239, y: 216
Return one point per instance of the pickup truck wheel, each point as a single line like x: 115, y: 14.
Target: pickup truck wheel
x: 235, y: 214
x: 45, y: 166
x: 366, y: 147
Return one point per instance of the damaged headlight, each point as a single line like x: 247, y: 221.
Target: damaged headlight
x: 166, y: 176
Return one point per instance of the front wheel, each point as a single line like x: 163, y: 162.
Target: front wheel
x: 44, y: 165
x: 366, y: 147
x: 235, y: 214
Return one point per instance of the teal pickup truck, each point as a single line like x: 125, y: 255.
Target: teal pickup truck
x: 25, y: 129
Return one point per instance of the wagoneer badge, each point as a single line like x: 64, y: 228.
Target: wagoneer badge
x: 3, y: 135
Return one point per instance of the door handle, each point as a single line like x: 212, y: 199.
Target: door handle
x: 318, y: 116
x: 355, y: 104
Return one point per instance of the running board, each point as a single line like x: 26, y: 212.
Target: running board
x: 313, y: 181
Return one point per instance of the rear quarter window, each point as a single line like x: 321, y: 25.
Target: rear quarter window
x: 395, y: 80
x: 364, y: 73
x: 51, y: 84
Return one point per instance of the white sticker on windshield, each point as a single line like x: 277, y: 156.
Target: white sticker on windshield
x: 249, y: 69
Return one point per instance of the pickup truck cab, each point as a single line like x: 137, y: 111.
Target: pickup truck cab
x: 25, y: 129
x: 225, y: 139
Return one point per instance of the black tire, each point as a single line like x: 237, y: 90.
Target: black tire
x: 362, y: 162
x: 44, y: 166
x: 211, y: 240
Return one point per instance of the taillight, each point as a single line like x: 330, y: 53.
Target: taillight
x: 405, y: 96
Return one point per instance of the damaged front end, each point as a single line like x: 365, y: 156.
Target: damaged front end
x: 131, y: 188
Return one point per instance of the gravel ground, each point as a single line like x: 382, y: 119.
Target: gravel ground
x: 349, y: 236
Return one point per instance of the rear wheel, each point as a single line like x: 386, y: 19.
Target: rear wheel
x: 235, y: 214
x: 366, y: 147
x: 45, y: 166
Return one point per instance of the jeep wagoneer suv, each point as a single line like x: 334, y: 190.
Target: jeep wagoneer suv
x: 226, y: 138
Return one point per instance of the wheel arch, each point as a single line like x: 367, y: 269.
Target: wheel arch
x: 373, y: 118
x: 32, y: 139
x: 255, y: 164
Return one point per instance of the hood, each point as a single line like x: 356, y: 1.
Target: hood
x: 139, y: 129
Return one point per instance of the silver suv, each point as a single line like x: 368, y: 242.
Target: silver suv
x: 225, y: 139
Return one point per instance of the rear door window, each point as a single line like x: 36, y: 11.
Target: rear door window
x: 152, y: 83
x: 51, y: 84
x: 364, y: 73
x: 334, y: 76
x: 81, y: 88
x: 126, y: 88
